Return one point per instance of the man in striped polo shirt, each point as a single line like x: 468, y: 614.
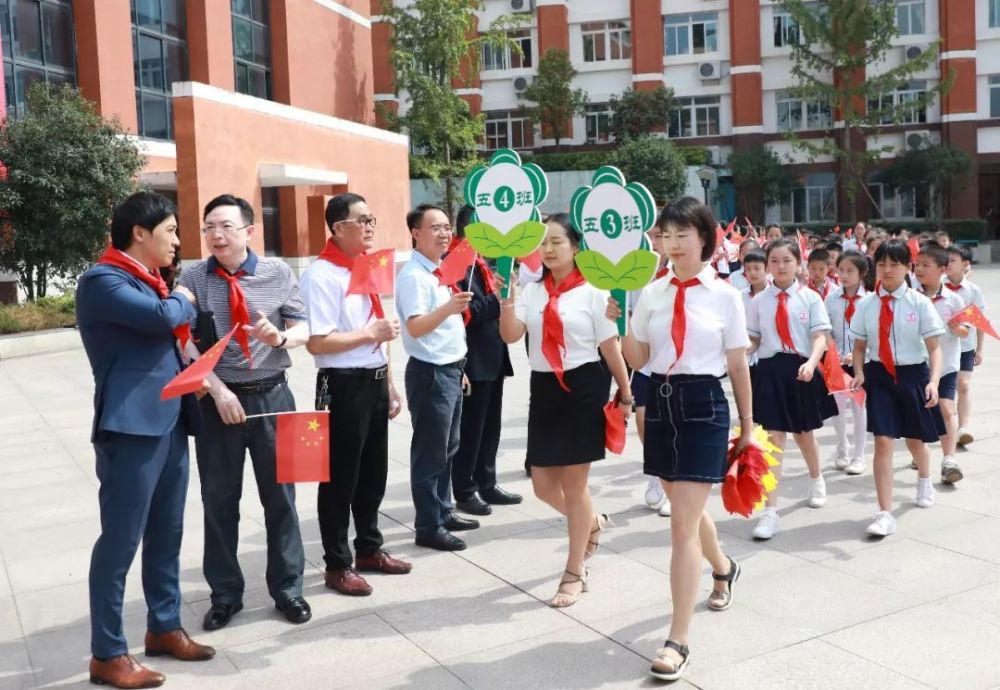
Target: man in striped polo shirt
x: 235, y: 286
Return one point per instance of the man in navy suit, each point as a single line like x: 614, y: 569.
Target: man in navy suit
x: 130, y: 324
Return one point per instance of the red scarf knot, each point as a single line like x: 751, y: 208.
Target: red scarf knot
x: 332, y: 253
x: 239, y: 312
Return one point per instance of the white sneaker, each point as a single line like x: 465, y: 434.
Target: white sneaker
x: 925, y: 493
x: 768, y: 524
x: 840, y: 460
x: 883, y: 525
x: 965, y: 437
x: 857, y: 466
x: 950, y: 471
x: 817, y: 493
x: 665, y: 508
x: 654, y: 493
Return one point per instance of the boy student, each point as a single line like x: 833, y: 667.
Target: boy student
x: 835, y: 249
x: 818, y: 271
x: 932, y: 263
x: 959, y: 264
x: 943, y: 238
x: 755, y: 272
x: 738, y: 277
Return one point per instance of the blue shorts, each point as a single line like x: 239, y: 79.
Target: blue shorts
x: 948, y: 386
x: 968, y: 362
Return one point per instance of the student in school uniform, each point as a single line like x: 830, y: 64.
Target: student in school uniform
x: 772, y: 233
x: 897, y: 358
x: 738, y: 277
x: 835, y: 249
x: 818, y: 268
x: 932, y: 263
x: 789, y: 326
x: 755, y: 269
x: 690, y: 330
x: 959, y: 265
x: 841, y: 305
x: 568, y: 332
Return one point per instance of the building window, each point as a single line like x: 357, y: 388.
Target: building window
x: 893, y: 105
x: 994, y: 14
x: 910, y: 17
x: 38, y: 45
x: 598, y: 120
x: 897, y: 204
x: 694, y: 117
x: 798, y: 114
x: 813, y: 202
x: 786, y: 31
x: 252, y: 47
x: 995, y: 95
x: 503, y: 57
x: 691, y: 34
x: 270, y: 201
x: 160, y: 57
x: 505, y: 130
x: 606, y: 41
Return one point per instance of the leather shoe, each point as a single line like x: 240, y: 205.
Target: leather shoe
x: 177, y: 644
x: 296, y: 610
x: 220, y: 614
x: 382, y: 562
x: 498, y: 497
x: 454, y: 523
x: 474, y: 505
x: 347, y: 581
x: 124, y: 672
x: 442, y: 540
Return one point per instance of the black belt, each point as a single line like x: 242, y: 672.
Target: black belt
x: 377, y: 374
x: 460, y: 364
x: 256, y: 386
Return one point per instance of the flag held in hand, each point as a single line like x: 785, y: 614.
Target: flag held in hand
x: 190, y: 380
x: 456, y: 265
x: 835, y: 378
x: 533, y: 261
x: 302, y: 447
x: 973, y: 316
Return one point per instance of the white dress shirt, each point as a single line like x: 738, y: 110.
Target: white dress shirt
x: 948, y: 304
x: 806, y: 315
x: 914, y: 318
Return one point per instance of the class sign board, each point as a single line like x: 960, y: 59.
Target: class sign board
x: 614, y: 217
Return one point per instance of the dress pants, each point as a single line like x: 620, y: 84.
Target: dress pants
x: 434, y: 398
x: 475, y: 466
x: 144, y: 483
x: 221, y: 450
x: 359, y: 464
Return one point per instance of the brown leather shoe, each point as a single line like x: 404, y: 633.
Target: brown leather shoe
x: 177, y: 644
x: 124, y: 672
x: 347, y: 581
x: 382, y: 562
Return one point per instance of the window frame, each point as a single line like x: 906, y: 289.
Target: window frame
x: 898, y: 97
x: 696, y: 111
x: 264, y: 71
x: 598, y: 113
x: 164, y: 94
x: 909, y: 7
x: 788, y: 25
x: 810, y: 112
x: 822, y: 189
x: 993, y: 14
x: 687, y: 22
x: 993, y: 89
x: 615, y: 33
x: 489, y: 55
x: 14, y: 64
x: 508, y: 120
x: 899, y: 199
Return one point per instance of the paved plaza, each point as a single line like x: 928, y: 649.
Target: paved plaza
x: 819, y: 606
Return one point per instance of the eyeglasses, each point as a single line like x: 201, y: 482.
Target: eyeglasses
x: 442, y: 227
x: 227, y: 228
x: 370, y: 221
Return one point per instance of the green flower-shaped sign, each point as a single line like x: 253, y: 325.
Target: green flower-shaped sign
x: 614, y: 217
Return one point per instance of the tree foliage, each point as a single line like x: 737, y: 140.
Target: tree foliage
x: 760, y: 178
x: 656, y: 163
x: 66, y: 170
x: 934, y: 172
x: 552, y: 100
x: 635, y: 113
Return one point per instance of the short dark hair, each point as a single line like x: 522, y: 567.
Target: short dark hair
x: 246, y: 210
x: 936, y: 252
x: 774, y: 225
x: 819, y: 254
x: 464, y: 217
x: 895, y: 250
x: 415, y: 217
x: 834, y: 246
x: 145, y: 209
x: 859, y: 260
x: 749, y: 242
x: 755, y: 257
x: 339, y: 207
x: 688, y: 212
x: 963, y: 252
x: 788, y: 244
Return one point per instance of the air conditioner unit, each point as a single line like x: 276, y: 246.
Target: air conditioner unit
x: 521, y: 84
x: 522, y: 5
x: 913, y: 52
x: 916, y: 139
x: 709, y: 70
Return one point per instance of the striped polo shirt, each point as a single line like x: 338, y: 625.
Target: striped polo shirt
x: 269, y: 287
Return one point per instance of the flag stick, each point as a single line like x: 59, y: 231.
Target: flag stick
x: 472, y: 272
x: 276, y: 414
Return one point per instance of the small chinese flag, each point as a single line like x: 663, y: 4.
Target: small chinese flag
x: 803, y: 244
x: 456, y: 265
x: 973, y: 316
x: 533, y: 260
x: 914, y: 246
x: 835, y: 378
x: 374, y: 274
x: 190, y: 380
x: 302, y: 447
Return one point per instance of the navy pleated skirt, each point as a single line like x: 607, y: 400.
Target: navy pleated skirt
x: 783, y: 403
x: 896, y: 408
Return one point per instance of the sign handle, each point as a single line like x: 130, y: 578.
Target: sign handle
x: 505, y: 266
x: 621, y: 296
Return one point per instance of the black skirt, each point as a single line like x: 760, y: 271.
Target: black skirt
x: 783, y: 403
x: 567, y: 428
x: 896, y: 408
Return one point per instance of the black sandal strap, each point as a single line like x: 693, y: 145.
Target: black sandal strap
x: 681, y: 649
x: 728, y: 577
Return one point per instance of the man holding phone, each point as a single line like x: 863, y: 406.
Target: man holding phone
x: 434, y: 338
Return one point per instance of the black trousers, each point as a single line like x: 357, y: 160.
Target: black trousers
x: 359, y: 464
x: 475, y: 466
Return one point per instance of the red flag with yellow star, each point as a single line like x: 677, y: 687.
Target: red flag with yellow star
x: 190, y: 380
x: 302, y: 447
x: 374, y: 274
x: 975, y: 318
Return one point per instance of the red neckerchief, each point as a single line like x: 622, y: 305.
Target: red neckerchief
x: 884, y: 331
x: 678, y: 327
x: 332, y: 253
x: 822, y: 293
x: 849, y: 311
x: 239, y: 312
x: 119, y: 259
x: 953, y: 287
x: 553, y: 337
x: 781, y: 321
x: 662, y: 272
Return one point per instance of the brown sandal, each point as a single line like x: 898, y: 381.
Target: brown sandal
x: 568, y: 597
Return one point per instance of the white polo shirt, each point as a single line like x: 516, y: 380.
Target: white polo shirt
x: 715, y: 323
x: 738, y: 279
x: 806, y: 315
x: 331, y: 310
x: 836, y: 307
x: 914, y: 318
x: 948, y: 304
x: 747, y: 299
x: 585, y: 324
x: 970, y: 294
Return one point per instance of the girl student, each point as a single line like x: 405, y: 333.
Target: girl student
x: 897, y: 359
x: 564, y: 318
x: 789, y: 326
x: 690, y: 330
x: 842, y: 305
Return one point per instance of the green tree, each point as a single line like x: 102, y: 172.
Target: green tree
x: 761, y: 179
x: 656, y: 163
x: 836, y: 41
x: 552, y: 100
x: 434, y: 43
x: 66, y: 169
x: 933, y: 172
x: 635, y: 113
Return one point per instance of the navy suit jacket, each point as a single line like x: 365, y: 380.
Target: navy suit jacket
x: 488, y: 358
x: 127, y: 331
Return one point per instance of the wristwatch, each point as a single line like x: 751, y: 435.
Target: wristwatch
x: 284, y: 340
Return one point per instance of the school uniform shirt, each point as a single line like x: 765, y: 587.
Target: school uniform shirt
x: 633, y: 300
x: 948, y: 304
x: 331, y: 310
x: 836, y: 307
x: 419, y: 292
x: 739, y: 280
x: 715, y: 323
x: 913, y: 319
x: 806, y: 315
x: 585, y: 323
x: 747, y: 299
x: 829, y: 285
x: 970, y: 294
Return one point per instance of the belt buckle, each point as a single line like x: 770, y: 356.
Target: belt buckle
x: 380, y: 373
